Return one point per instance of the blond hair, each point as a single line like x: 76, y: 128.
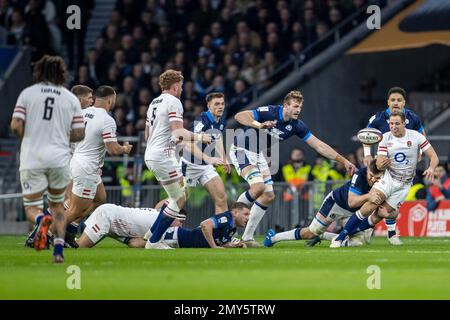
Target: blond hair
x: 169, y: 78
x: 294, y: 95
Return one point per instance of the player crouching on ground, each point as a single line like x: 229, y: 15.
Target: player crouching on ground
x: 341, y: 202
x: 130, y: 225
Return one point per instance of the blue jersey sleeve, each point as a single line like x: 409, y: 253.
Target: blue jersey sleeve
x: 199, y: 125
x: 222, y: 221
x: 373, y: 122
x: 358, y: 182
x: 302, y: 130
x: 263, y: 114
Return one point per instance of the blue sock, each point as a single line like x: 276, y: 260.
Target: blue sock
x: 364, y: 225
x: 58, y: 246
x: 38, y: 219
x: 390, y: 224
x: 161, y: 226
x: 153, y: 228
x: 298, y: 235
x: 350, y: 226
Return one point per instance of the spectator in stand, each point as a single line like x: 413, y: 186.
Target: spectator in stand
x: 296, y: 172
x: 439, y: 189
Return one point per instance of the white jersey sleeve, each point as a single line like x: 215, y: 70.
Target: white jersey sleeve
x: 20, y: 111
x: 424, y: 144
x: 382, y: 146
x: 175, y: 111
x: 109, y: 130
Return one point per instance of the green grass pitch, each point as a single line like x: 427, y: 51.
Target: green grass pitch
x: 418, y: 270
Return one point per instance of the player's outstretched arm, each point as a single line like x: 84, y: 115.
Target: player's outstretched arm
x: 76, y: 135
x: 434, y: 161
x: 246, y: 119
x: 207, y: 227
x: 17, y: 127
x: 179, y: 133
x: 328, y: 152
x: 383, y: 162
x: 195, y: 150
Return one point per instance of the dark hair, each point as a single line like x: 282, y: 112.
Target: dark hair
x: 104, y: 92
x: 80, y: 90
x: 397, y: 90
x: 398, y: 114
x: 214, y: 95
x: 50, y: 69
x: 373, y: 167
x: 239, y: 206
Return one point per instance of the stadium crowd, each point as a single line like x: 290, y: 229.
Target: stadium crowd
x: 222, y: 45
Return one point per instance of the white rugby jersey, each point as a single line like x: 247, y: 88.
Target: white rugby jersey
x: 403, y: 153
x: 161, y: 112
x: 129, y: 222
x: 50, y: 112
x: 100, y: 128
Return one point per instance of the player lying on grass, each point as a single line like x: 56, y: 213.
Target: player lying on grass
x: 342, y: 202
x: 130, y: 225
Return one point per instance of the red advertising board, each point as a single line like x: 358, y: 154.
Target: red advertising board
x: 415, y: 221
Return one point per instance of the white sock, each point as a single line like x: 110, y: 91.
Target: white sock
x: 284, y: 236
x: 328, y: 236
x: 256, y: 214
x: 246, y: 198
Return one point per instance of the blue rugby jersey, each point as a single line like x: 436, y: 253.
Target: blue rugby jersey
x: 357, y: 185
x: 282, y: 131
x: 206, y: 123
x: 380, y: 121
x: 224, y: 230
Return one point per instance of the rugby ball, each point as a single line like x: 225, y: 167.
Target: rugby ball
x: 369, y: 136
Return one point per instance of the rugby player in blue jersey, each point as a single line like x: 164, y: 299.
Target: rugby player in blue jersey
x: 199, y: 159
x: 131, y: 226
x: 339, y: 203
x: 396, y: 103
x: 281, y: 122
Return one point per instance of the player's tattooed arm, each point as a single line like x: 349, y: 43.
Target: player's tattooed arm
x: 76, y: 135
x: 207, y: 227
x: 17, y: 127
x: 115, y: 149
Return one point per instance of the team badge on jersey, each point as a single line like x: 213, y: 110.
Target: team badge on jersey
x: 409, y: 144
x: 288, y: 127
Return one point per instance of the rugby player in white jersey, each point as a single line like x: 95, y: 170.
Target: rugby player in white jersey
x: 88, y: 191
x: 47, y: 118
x: 398, y: 154
x: 163, y: 131
x: 127, y: 225
x: 84, y: 94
